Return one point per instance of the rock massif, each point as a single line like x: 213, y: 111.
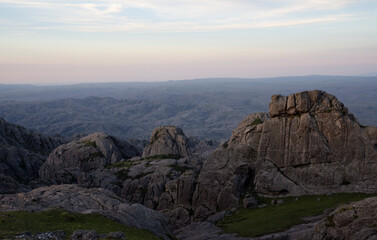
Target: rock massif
x: 309, y: 143
x: 163, y: 179
x: 22, y: 152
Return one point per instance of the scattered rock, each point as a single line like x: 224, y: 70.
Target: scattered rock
x: 250, y: 202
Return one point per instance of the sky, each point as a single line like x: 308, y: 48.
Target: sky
x: 64, y: 42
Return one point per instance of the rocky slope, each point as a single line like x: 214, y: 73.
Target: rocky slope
x: 82, y: 200
x: 163, y: 179
x: 309, y: 143
x: 22, y: 152
x: 353, y: 221
x: 71, y: 161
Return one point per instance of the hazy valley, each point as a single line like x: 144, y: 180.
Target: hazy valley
x: 205, y: 108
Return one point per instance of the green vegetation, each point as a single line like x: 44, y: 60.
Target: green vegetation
x: 179, y: 168
x: 162, y: 156
x: 120, y: 165
x: 140, y: 175
x: 276, y: 218
x: 12, y: 223
x: 155, y: 136
x: 128, y: 164
x: 122, y: 174
x: 257, y: 121
x: 89, y: 144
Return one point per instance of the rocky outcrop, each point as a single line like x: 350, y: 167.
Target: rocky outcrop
x: 82, y: 200
x: 164, y: 181
x: 229, y: 172
x: 353, y: 221
x: 309, y: 143
x: 22, y: 152
x: 313, y: 144
x: 70, y: 162
x: 167, y: 140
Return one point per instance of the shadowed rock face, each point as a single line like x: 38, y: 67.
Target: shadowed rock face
x: 167, y: 140
x: 308, y: 144
x: 164, y: 181
x: 354, y: 221
x: 22, y: 152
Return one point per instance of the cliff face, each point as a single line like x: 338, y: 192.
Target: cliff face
x: 317, y: 145
x: 308, y: 144
x: 22, y: 152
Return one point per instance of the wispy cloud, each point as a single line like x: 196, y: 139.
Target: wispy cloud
x: 176, y: 15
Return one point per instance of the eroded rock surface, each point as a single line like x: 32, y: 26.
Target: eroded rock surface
x: 353, y: 221
x: 71, y: 161
x: 82, y: 200
x: 164, y: 182
x: 167, y: 140
x: 309, y: 143
x: 22, y: 152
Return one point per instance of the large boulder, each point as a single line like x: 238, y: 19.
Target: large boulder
x: 167, y: 140
x: 71, y: 161
x: 309, y: 143
x: 82, y: 200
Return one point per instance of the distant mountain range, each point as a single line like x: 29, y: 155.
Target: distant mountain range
x: 202, y: 107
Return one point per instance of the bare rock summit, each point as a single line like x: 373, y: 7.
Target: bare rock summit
x: 167, y: 140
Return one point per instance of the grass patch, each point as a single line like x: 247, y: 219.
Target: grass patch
x: 180, y: 169
x: 89, y: 144
x: 162, y: 156
x: 140, y: 175
x: 126, y: 164
x: 122, y: 174
x: 277, y: 218
x: 13, y: 223
x: 257, y: 121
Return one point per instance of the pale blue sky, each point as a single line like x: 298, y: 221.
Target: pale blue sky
x: 152, y: 40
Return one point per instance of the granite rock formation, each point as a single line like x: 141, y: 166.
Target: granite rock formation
x: 22, y: 152
x: 167, y: 140
x: 309, y: 143
x: 82, y: 200
x: 163, y: 180
x: 353, y: 221
x: 70, y: 162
